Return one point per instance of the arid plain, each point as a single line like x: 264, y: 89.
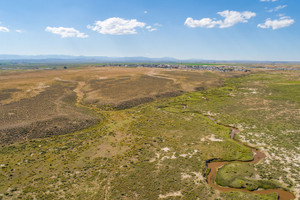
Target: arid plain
x: 148, y: 133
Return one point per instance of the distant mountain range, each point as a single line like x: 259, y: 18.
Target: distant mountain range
x: 82, y: 59
x: 105, y: 59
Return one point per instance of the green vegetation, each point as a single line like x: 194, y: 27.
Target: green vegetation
x: 246, y: 196
x: 242, y: 175
x: 159, y: 149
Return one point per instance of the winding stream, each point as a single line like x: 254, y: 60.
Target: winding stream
x: 258, y: 156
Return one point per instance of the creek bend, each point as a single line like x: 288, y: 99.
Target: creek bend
x: 258, y: 156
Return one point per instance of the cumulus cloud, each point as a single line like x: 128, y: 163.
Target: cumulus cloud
x: 230, y: 19
x: 234, y: 17
x: 19, y: 31
x: 204, y: 23
x: 277, y: 8
x: 66, y: 32
x: 117, y: 26
x: 3, y: 29
x: 268, y: 0
x: 277, y: 23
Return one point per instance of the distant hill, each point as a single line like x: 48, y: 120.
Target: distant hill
x: 105, y: 59
x: 83, y: 59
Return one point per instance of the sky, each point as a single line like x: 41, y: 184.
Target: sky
x: 266, y: 30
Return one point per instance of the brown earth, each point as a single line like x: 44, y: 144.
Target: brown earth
x: 127, y: 91
x: 41, y: 103
x: 49, y: 113
x: 112, y: 85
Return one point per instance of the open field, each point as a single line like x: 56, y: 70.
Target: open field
x: 49, y: 112
x: 101, y: 83
x: 117, y: 138
x: 42, y: 103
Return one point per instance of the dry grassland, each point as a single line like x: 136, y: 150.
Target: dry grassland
x: 156, y: 150
x: 35, y: 104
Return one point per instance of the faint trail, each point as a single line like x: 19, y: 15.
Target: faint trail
x: 79, y: 93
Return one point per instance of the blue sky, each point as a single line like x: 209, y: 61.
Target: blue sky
x: 202, y: 29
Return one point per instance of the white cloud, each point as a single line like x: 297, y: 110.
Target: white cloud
x: 19, y: 31
x: 117, y: 26
x: 66, y: 32
x: 234, y: 17
x: 268, y: 0
x: 280, y: 7
x: 204, y: 23
x: 277, y: 8
x: 151, y: 28
x: 276, y: 24
x: 154, y: 27
x: 231, y: 18
x: 3, y: 29
x: 145, y: 11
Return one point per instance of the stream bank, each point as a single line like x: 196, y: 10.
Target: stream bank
x: 258, y: 156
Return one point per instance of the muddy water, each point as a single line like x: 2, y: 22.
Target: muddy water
x: 258, y: 155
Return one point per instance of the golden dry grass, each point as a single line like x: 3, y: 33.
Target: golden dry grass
x: 46, y: 102
x: 116, y: 84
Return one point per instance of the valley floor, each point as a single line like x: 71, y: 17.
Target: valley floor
x: 158, y: 149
